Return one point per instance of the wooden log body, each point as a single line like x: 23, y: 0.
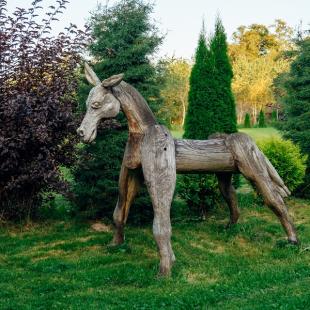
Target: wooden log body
x: 195, y: 156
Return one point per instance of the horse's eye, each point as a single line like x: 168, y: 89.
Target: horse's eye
x: 96, y: 105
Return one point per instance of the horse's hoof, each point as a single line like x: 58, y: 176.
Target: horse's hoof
x: 117, y: 240
x: 165, y: 267
x: 172, y: 257
x: 293, y: 240
x: 164, y: 272
x: 230, y: 224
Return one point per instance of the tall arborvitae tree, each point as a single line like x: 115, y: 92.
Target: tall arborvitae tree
x: 297, y: 107
x: 200, y: 114
x: 199, y: 191
x: 261, y: 119
x: 211, y: 102
x: 224, y: 106
x: 124, y: 40
x: 211, y: 109
x: 247, y: 121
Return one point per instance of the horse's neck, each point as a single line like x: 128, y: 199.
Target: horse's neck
x: 134, y: 106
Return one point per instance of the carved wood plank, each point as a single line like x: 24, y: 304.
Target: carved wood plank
x: 194, y: 156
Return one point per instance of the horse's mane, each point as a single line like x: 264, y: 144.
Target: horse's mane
x: 131, y: 98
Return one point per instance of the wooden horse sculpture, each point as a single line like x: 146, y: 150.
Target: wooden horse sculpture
x: 150, y: 147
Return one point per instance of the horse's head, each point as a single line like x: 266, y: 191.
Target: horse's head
x: 100, y: 104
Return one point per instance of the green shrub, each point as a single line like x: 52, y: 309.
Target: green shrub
x: 287, y: 159
x: 200, y: 192
x: 247, y: 121
x: 55, y: 206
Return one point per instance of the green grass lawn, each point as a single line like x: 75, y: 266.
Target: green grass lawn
x: 178, y: 134
x: 255, y: 133
x: 67, y: 265
x: 261, y: 133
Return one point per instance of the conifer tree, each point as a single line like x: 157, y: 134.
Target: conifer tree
x: 124, y: 39
x: 198, y: 190
x: 297, y: 107
x: 247, y: 121
x: 211, y: 102
x: 200, y: 114
x: 211, y: 109
x: 225, y: 119
x: 274, y: 117
x: 261, y: 119
x: 224, y: 106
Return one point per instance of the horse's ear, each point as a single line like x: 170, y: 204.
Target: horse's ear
x: 113, y: 80
x: 91, y: 76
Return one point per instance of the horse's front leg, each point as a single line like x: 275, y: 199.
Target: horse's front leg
x: 159, y: 169
x: 129, y: 183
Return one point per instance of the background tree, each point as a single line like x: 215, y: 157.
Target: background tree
x: 297, y: 106
x: 211, y: 109
x: 259, y: 55
x: 37, y: 95
x: 125, y: 38
x: 174, y: 91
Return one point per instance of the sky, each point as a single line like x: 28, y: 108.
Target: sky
x: 181, y: 21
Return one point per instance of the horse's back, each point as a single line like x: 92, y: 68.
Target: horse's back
x: 194, y: 156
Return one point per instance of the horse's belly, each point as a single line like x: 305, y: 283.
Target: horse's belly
x: 194, y: 156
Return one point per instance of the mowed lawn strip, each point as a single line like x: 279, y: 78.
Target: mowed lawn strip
x: 67, y: 265
x: 255, y: 133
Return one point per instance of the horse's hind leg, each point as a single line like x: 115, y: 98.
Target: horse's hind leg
x: 159, y: 169
x: 129, y: 182
x: 276, y: 204
x: 229, y: 194
x: 253, y: 164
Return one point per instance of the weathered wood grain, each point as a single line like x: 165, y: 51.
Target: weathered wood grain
x: 132, y: 155
x: 134, y: 106
x: 253, y: 163
x: 159, y: 170
x: 129, y: 183
x: 229, y: 194
x: 194, y: 156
